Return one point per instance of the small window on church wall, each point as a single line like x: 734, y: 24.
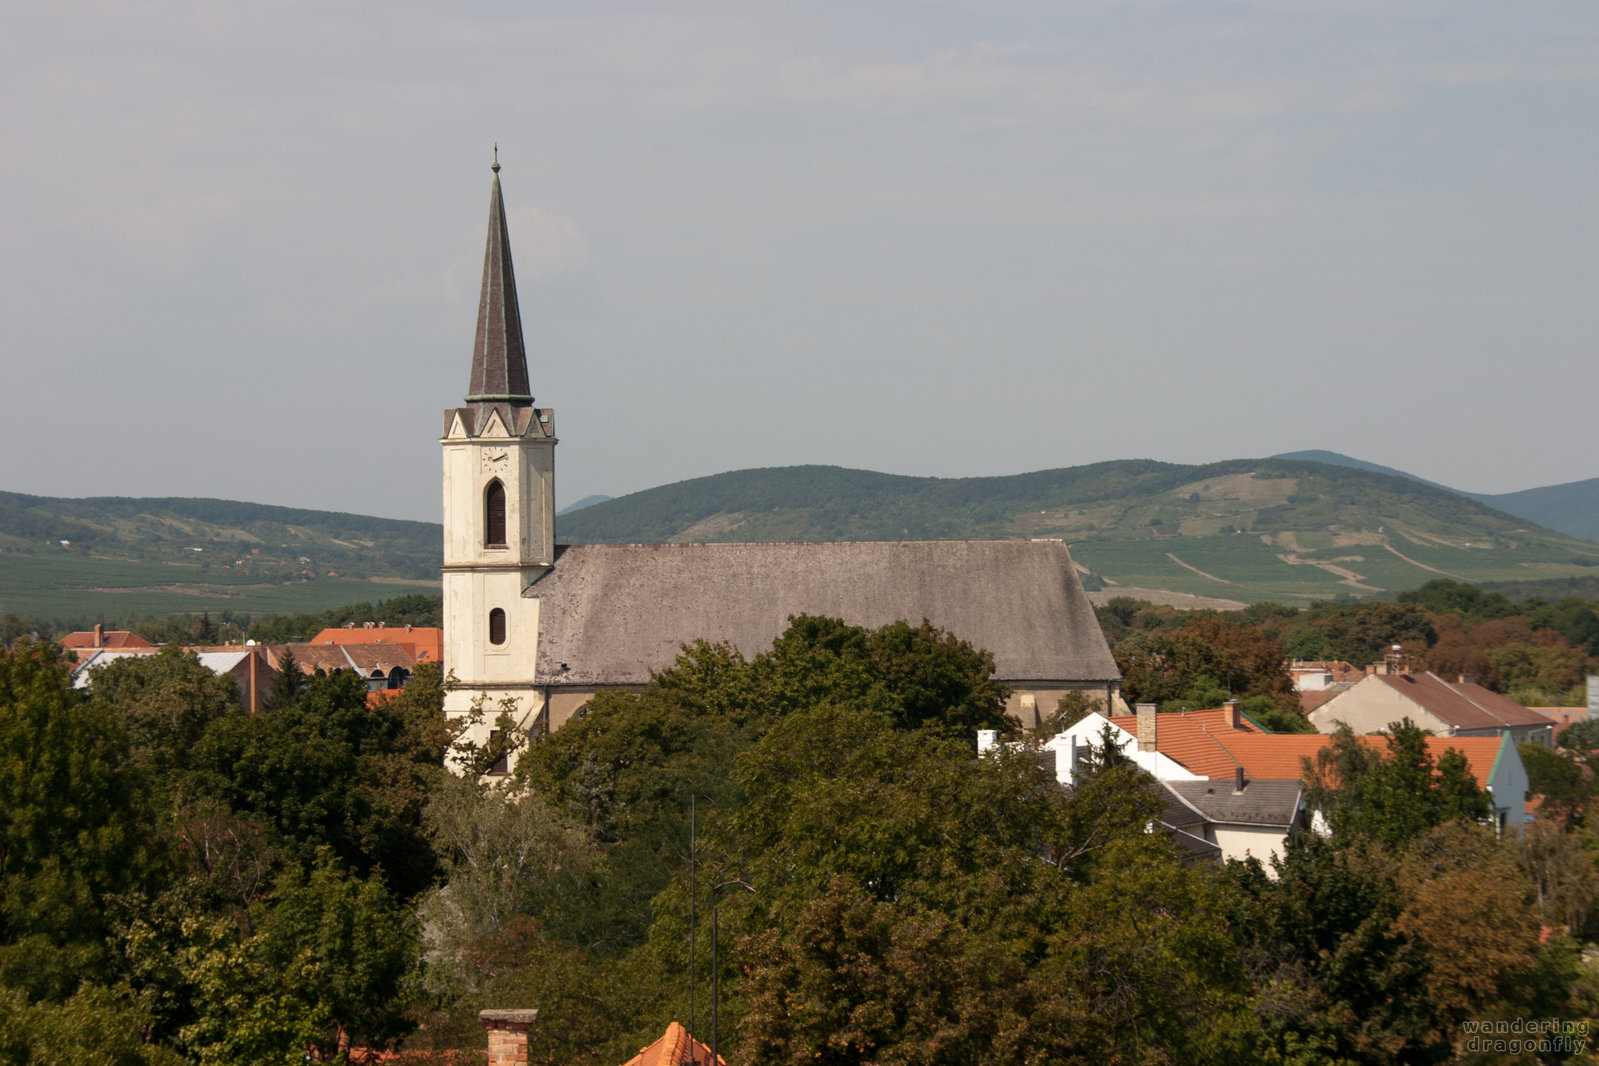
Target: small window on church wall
x: 496, y: 626
x: 494, y: 515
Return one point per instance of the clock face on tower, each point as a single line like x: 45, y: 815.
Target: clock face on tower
x: 496, y: 461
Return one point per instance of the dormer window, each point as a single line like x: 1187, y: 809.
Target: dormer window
x: 494, y: 515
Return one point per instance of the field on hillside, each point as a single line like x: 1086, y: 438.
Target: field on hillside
x: 74, y: 587
x: 1314, y: 566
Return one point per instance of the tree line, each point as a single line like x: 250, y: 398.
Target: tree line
x: 1537, y: 652
x: 183, y: 882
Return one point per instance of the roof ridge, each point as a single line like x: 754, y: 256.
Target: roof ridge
x: 1465, y: 696
x: 1223, y: 747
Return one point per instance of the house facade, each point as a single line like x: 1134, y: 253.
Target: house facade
x: 1459, y: 708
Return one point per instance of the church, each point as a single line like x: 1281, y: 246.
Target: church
x: 539, y: 628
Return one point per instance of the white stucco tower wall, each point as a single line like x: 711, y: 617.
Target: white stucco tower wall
x: 499, y: 510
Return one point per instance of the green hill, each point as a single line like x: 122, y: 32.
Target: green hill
x: 1571, y: 508
x: 1245, y: 530
x: 111, y: 556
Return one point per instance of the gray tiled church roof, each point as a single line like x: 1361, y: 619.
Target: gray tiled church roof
x: 609, y: 614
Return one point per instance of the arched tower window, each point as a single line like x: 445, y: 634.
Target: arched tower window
x: 496, y: 626
x: 494, y: 515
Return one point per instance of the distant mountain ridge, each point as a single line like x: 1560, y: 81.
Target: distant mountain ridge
x: 1571, y: 508
x: 587, y: 501
x: 1242, y: 530
x: 179, y: 527
x: 1288, y: 529
x: 113, y: 556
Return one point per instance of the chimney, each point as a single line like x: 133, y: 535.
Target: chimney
x: 1146, y: 727
x: 1231, y: 719
x: 1468, y: 679
x: 508, y: 1035
x: 1238, y: 779
x: 99, y: 635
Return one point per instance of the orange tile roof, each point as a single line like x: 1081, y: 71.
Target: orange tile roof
x: 1190, y: 737
x: 675, y: 1048
x: 426, y: 643
x: 1207, y: 744
x: 1279, y: 756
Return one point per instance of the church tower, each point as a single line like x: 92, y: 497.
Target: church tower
x: 499, y: 505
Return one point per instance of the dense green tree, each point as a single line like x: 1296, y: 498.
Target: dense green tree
x: 287, y: 683
x: 629, y: 768
x: 75, y: 822
x: 205, y: 631
x: 1392, y: 796
x: 92, y: 1028
x: 1209, y: 660
x: 1576, y: 620
x: 865, y: 980
x: 331, y: 768
x: 1443, y: 595
x: 1560, y: 778
x: 914, y: 906
x: 323, y: 969
x: 1334, y: 976
x: 1563, y: 863
x: 14, y: 627
x: 165, y: 701
x: 506, y: 859
x: 1547, y: 673
x: 1367, y: 635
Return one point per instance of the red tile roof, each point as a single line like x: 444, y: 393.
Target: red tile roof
x: 104, y: 638
x: 1313, y: 698
x: 675, y: 1048
x: 1563, y: 717
x: 1340, y: 670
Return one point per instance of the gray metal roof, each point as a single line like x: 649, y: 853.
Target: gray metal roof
x: 611, y: 613
x: 1272, y: 803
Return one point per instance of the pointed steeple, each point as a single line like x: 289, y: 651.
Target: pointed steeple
x: 499, y: 359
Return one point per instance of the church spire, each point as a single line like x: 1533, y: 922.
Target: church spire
x: 499, y: 359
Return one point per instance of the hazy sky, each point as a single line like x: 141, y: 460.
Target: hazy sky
x: 242, y: 242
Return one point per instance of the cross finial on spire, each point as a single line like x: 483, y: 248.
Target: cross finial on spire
x: 496, y: 166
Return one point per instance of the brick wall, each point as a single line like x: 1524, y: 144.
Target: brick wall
x: 508, y: 1035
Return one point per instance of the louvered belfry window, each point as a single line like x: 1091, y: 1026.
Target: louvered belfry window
x: 494, y: 516
x: 496, y: 626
